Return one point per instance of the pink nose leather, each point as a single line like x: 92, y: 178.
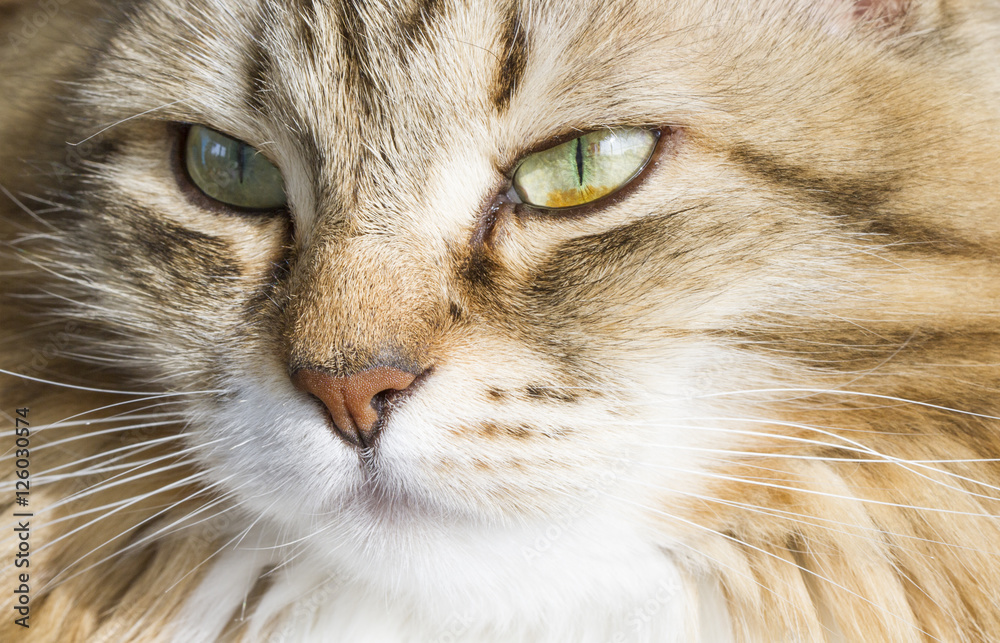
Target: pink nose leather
x: 349, y: 399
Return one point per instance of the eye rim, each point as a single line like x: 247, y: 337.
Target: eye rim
x: 661, y: 134
x: 194, y: 194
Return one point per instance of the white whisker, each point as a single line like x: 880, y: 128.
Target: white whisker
x: 804, y: 570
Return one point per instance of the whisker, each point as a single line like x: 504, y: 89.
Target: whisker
x: 83, y: 436
x: 222, y: 548
x: 799, y: 517
x: 811, y: 391
x: 148, y: 538
x: 774, y: 485
x: 799, y: 456
x: 117, y: 404
x: 125, y: 120
x: 47, y: 477
x: 699, y: 553
x: 48, y: 428
x: 802, y: 569
x: 119, y: 480
x: 131, y: 501
x: 31, y: 213
x: 854, y: 446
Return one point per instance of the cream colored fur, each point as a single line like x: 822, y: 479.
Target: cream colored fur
x: 752, y: 398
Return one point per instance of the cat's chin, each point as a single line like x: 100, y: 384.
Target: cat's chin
x: 557, y: 585
x: 388, y: 505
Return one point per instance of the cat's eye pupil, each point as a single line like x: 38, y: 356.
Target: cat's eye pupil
x: 579, y: 159
x: 584, y: 169
x: 232, y: 172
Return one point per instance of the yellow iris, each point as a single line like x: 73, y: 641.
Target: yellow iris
x: 584, y: 169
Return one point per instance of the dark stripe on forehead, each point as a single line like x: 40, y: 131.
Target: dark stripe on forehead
x: 354, y: 46
x: 863, y: 200
x: 265, y: 93
x: 305, y: 25
x: 513, y: 60
x: 415, y: 25
x: 259, y: 67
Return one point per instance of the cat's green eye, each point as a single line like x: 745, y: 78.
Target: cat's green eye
x: 232, y: 172
x: 584, y: 169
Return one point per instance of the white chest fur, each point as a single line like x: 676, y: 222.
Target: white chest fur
x: 545, y: 587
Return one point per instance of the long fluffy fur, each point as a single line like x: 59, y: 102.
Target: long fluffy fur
x: 753, y: 397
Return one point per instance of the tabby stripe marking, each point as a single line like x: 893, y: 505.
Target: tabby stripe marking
x: 861, y: 199
x: 355, y: 54
x: 415, y: 26
x: 259, y: 67
x: 513, y: 61
x: 851, y: 196
x: 307, y: 25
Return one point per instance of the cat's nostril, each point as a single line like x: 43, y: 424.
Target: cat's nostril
x: 350, y: 399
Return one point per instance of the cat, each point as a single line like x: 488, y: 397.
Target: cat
x: 472, y: 320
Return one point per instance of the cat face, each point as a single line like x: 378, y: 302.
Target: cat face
x: 548, y: 345
x: 652, y: 365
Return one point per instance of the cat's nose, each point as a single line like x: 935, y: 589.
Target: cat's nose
x: 350, y: 400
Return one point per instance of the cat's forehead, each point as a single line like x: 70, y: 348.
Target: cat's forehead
x: 379, y: 50
x: 436, y: 66
x: 381, y: 68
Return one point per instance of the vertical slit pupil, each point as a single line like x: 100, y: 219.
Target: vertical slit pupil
x: 242, y: 159
x: 579, y: 159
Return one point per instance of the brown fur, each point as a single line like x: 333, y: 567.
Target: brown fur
x: 824, y: 209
